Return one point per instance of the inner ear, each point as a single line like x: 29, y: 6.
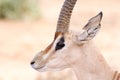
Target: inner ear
x: 94, y: 21
x: 90, y: 29
x: 89, y: 34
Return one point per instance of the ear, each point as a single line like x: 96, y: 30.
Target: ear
x: 91, y: 28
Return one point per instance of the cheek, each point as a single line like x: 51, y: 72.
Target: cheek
x: 57, y: 63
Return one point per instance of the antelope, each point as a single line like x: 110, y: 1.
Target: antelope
x: 75, y: 49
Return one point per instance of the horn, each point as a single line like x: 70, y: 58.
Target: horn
x: 65, y: 15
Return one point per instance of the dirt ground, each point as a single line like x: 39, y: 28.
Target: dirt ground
x: 21, y: 40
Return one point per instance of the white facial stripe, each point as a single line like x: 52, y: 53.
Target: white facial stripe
x: 52, y: 48
x: 46, y: 55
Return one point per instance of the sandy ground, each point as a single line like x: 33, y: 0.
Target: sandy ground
x: 21, y: 40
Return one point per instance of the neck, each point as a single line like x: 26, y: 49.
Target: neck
x: 93, y: 66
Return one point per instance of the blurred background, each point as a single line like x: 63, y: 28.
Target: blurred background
x: 24, y: 29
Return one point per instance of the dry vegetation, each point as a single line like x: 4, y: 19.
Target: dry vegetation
x: 20, y: 41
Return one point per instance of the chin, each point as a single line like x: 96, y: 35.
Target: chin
x: 44, y: 69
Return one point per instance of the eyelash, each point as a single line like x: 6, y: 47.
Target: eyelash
x: 60, y: 44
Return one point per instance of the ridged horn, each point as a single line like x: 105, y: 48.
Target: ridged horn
x: 65, y: 15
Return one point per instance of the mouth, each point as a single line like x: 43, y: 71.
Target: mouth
x: 40, y: 69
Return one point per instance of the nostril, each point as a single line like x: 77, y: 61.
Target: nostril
x: 32, y: 62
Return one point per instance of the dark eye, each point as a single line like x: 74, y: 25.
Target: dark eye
x: 60, y: 44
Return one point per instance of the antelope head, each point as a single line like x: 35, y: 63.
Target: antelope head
x: 67, y: 45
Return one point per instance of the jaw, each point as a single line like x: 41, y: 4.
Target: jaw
x: 45, y: 68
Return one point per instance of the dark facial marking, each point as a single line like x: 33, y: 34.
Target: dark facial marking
x: 60, y: 44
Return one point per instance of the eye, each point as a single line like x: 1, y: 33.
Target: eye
x: 60, y: 44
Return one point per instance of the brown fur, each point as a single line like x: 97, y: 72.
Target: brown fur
x: 49, y: 47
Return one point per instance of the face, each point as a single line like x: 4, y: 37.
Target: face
x: 56, y: 55
x: 66, y: 47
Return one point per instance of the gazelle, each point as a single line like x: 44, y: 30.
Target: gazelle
x: 75, y: 50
